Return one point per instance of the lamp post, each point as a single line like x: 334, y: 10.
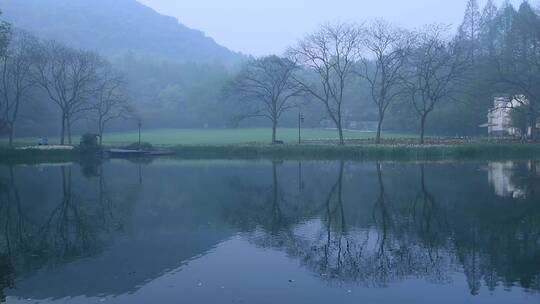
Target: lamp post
x: 300, y: 121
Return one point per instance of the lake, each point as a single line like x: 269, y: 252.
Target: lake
x: 173, y: 231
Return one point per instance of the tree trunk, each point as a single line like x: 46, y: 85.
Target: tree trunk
x: 11, y: 133
x: 68, y: 124
x: 13, y: 120
x: 422, y: 129
x: 63, y: 130
x: 101, y: 130
x: 379, y: 131
x: 341, y: 138
x: 340, y: 130
x: 274, y: 128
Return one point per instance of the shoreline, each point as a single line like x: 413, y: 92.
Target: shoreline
x: 477, y: 151
x: 367, y: 152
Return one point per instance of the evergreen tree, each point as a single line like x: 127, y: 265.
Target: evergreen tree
x: 469, y: 30
x: 519, y: 62
x: 503, y: 24
x: 488, y: 29
x: 4, y: 42
x: 4, y: 35
x: 476, y: 37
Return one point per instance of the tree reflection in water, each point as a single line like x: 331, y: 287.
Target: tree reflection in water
x: 72, y: 229
x: 418, y: 238
x: 371, y: 224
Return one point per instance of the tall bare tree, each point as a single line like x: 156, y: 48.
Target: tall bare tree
x: 435, y: 69
x: 16, y: 66
x: 383, y: 68
x: 330, y: 53
x: 267, y: 88
x: 110, y: 101
x: 69, y: 77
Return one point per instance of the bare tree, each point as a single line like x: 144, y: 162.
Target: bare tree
x: 110, y: 101
x: 69, y: 77
x: 435, y: 69
x: 330, y: 53
x: 384, y: 69
x: 16, y: 66
x: 266, y: 85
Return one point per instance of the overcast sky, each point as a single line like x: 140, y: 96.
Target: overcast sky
x: 260, y: 27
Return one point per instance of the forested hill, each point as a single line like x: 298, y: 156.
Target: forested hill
x: 115, y: 28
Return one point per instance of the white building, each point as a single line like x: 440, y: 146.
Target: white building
x: 500, y: 117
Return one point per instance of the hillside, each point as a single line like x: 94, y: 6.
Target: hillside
x: 115, y: 28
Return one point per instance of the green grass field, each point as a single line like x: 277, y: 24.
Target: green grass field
x: 226, y: 136
x: 172, y: 137
x: 254, y: 144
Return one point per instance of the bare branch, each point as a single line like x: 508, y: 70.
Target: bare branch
x: 330, y: 55
x: 266, y: 87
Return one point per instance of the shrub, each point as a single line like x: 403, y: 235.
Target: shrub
x: 89, y: 144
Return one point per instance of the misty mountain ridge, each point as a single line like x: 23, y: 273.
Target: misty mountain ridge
x: 115, y: 28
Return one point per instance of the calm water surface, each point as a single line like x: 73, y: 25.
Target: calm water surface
x: 270, y: 232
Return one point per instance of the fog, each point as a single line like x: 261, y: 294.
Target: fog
x: 267, y: 27
x: 179, y: 65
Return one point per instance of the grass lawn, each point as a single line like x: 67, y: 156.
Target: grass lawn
x: 229, y: 136
x: 254, y: 144
x: 172, y: 137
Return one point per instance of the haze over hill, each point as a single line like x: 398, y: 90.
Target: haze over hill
x: 115, y: 28
x: 251, y: 27
x: 172, y: 76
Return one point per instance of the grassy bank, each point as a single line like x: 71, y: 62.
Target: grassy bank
x: 173, y: 137
x: 364, y: 152
x: 15, y: 156
x: 472, y: 151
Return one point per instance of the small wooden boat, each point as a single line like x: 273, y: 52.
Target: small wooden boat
x: 127, y: 153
